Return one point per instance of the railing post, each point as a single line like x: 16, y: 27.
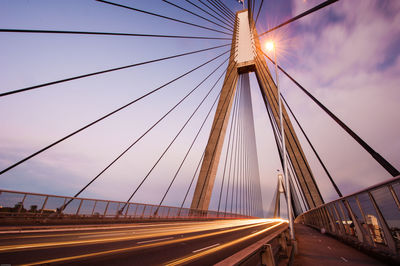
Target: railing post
x: 321, y: 219
x: 396, y: 199
x: 360, y: 235
x: 340, y: 221
x: 127, y: 208
x: 79, y: 208
x: 94, y: 207
x: 325, y: 213
x: 388, y: 236
x: 44, y: 205
x: 151, y: 214
x: 61, y: 209
x: 365, y: 230
x: 283, y: 243
x: 325, y: 219
x: 267, y: 255
x: 336, y: 220
x: 117, y: 213
x: 22, y: 204
x: 134, y: 214
x: 347, y: 228
x: 105, y: 210
x: 331, y: 217
x: 144, y: 208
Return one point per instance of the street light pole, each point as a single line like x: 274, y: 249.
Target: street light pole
x: 242, y: 2
x: 285, y: 168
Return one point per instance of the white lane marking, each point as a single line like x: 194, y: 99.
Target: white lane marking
x: 101, y: 235
x: 344, y: 259
x: 198, y: 250
x: 154, y: 240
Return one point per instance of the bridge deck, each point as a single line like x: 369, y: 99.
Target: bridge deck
x: 315, y: 248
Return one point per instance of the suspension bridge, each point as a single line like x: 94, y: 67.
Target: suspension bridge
x: 158, y: 160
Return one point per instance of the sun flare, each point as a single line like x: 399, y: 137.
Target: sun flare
x: 269, y: 46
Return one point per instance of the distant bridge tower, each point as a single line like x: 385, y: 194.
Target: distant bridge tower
x: 279, y: 190
x: 246, y: 56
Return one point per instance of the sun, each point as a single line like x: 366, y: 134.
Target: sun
x: 269, y: 46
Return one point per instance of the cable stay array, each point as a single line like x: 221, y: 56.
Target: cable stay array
x: 108, y: 115
x: 229, y: 23
x: 228, y: 19
x: 164, y: 17
x: 206, y: 19
x: 305, y: 13
x: 382, y: 161
x: 107, y: 71
x: 239, y: 188
x: 113, y: 34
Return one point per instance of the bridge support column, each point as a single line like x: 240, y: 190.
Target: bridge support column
x: 205, y: 182
x: 208, y: 170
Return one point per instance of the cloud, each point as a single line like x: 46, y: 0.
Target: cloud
x: 348, y: 57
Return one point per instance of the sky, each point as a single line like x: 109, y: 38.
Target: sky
x: 346, y: 55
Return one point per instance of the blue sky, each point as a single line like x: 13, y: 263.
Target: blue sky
x: 347, y: 57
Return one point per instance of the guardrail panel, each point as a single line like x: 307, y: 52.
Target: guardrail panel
x: 140, y: 209
x: 11, y: 202
x: 132, y: 210
x: 390, y: 211
x: 183, y: 213
x: 338, y: 219
x: 371, y: 220
x: 87, y: 207
x: 33, y: 203
x: 173, y: 212
x: 396, y: 188
x: 333, y: 221
x: 162, y: 211
x: 149, y: 211
x: 55, y: 203
x: 354, y: 208
x: 100, y: 208
x: 113, y: 208
x: 72, y: 206
x: 350, y: 227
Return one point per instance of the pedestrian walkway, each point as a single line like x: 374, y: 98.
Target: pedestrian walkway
x: 315, y: 248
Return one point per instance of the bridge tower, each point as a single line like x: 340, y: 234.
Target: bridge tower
x: 246, y: 56
x: 279, y: 190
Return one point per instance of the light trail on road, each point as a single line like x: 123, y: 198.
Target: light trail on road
x: 141, y: 243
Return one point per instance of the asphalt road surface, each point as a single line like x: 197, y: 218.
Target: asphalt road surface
x: 167, y: 243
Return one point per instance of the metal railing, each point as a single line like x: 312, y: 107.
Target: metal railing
x: 369, y: 218
x: 17, y: 204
